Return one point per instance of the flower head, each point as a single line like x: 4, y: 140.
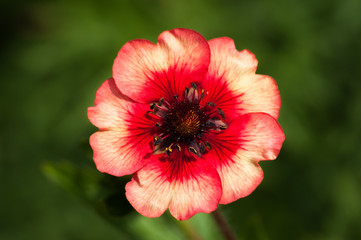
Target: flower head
x: 189, y: 119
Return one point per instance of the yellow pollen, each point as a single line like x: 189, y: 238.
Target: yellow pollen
x: 187, y: 125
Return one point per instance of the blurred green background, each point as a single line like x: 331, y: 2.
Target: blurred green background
x: 55, y: 54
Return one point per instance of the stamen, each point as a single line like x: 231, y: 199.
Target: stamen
x: 178, y: 147
x: 165, y: 104
x: 194, y: 85
x: 211, y: 104
x: 202, y: 147
x: 168, y: 150
x: 194, y: 148
x: 158, y: 107
x: 186, y: 90
x: 202, y: 93
x: 157, y: 140
x: 208, y: 145
x: 216, y: 124
x: 220, y: 111
x: 192, y: 94
x: 160, y: 112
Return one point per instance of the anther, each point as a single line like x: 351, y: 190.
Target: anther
x: 202, y: 93
x: 202, y: 147
x: 223, y: 127
x: 157, y: 140
x: 220, y: 111
x: 175, y: 97
x: 152, y: 106
x: 161, y: 101
x: 216, y: 124
x: 169, y: 151
x: 211, y: 104
x: 194, y: 85
x: 194, y: 148
x: 178, y: 147
x: 208, y: 145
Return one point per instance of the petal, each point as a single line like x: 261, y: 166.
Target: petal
x: 146, y: 72
x: 185, y: 184
x: 124, y: 143
x: 111, y: 107
x: 150, y: 192
x: 233, y: 85
x: 236, y: 152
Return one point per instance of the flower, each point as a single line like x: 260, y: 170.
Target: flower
x: 189, y: 119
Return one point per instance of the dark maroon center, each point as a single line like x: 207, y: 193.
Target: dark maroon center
x: 182, y: 122
x: 185, y: 120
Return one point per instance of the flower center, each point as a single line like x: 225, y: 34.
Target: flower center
x: 185, y: 120
x: 182, y: 122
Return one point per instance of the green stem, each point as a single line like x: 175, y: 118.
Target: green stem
x: 189, y: 230
x: 223, y: 225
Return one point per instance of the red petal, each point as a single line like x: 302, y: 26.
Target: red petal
x: 236, y: 152
x: 233, y: 85
x: 124, y: 144
x: 146, y: 72
x: 188, y: 186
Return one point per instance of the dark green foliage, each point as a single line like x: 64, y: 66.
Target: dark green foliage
x: 55, y: 54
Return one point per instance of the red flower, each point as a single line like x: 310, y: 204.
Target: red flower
x: 189, y: 119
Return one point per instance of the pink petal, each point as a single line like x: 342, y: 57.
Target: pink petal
x: 233, y: 85
x: 123, y: 145
x: 111, y: 106
x: 186, y: 185
x: 146, y: 72
x: 236, y: 152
